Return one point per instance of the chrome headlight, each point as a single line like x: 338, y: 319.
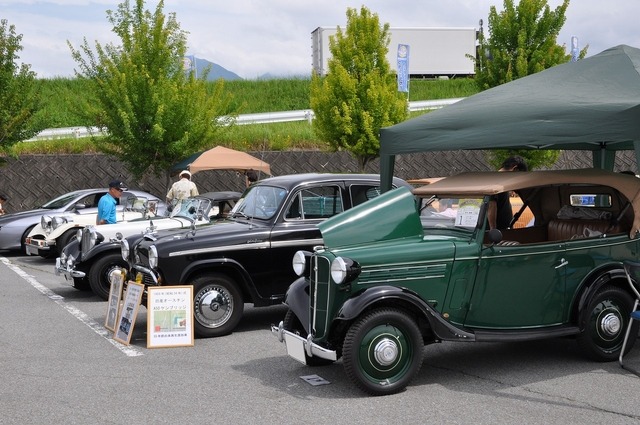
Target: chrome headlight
x: 344, y: 269
x: 79, y: 235
x: 46, y: 223
x: 124, y: 249
x: 59, y: 221
x: 153, y: 257
x: 299, y: 263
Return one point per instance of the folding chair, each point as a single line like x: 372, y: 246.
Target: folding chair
x: 632, y: 270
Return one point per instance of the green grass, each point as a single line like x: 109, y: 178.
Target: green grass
x: 62, y: 97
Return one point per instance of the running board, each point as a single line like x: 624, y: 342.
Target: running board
x: 524, y: 335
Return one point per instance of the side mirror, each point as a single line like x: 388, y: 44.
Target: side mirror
x: 80, y: 206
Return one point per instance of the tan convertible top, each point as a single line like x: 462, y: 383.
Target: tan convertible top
x: 492, y: 182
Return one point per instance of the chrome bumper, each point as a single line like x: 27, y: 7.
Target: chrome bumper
x: 298, y: 347
x: 34, y: 246
x: 67, y: 270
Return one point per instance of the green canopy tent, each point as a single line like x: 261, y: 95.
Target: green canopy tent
x: 592, y: 104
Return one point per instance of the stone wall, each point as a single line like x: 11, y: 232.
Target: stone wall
x: 31, y: 180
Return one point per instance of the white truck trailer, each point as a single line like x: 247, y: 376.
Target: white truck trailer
x: 433, y: 52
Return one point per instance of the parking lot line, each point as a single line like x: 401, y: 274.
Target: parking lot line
x: 75, y: 312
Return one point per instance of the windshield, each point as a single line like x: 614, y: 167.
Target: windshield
x: 60, y: 201
x: 261, y: 202
x: 449, y: 212
x: 192, y: 208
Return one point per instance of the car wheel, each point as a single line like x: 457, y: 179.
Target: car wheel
x: 65, y: 239
x: 99, y: 273
x: 217, y: 305
x: 291, y: 323
x: 382, y: 351
x: 604, y: 323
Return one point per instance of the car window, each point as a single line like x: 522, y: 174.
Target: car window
x: 315, y: 203
x: 60, y: 201
x: 450, y: 212
x: 363, y: 193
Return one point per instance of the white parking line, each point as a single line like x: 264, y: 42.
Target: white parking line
x: 78, y: 314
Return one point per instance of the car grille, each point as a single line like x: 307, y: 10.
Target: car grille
x: 85, y: 241
x: 320, y: 294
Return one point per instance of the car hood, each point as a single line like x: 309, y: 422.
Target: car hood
x: 392, y: 215
x: 25, y: 214
x: 223, y: 233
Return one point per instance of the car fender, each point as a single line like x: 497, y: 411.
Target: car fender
x: 366, y: 298
x: 99, y: 250
x: 238, y: 272
x: 297, y: 299
x: 596, y: 280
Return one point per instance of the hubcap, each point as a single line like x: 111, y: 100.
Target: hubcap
x: 213, y: 306
x: 386, y: 352
x: 610, y: 324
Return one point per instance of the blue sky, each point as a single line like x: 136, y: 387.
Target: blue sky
x: 254, y: 37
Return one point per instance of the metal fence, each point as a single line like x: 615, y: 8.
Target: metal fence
x: 261, y: 118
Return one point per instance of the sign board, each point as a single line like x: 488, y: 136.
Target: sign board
x: 128, y: 312
x: 169, y: 316
x: 116, y: 278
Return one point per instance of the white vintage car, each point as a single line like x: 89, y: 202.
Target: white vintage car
x: 88, y: 259
x: 52, y: 234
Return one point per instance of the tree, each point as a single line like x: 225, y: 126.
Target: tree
x: 19, y: 95
x: 359, y: 94
x: 522, y: 42
x: 153, y: 112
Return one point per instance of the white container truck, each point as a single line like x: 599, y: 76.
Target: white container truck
x: 433, y: 52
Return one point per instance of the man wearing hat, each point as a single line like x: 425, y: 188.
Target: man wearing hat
x: 183, y: 188
x: 107, y: 204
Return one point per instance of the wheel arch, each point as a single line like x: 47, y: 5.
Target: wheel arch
x: 226, y: 266
x: 609, y: 274
x: 432, y: 326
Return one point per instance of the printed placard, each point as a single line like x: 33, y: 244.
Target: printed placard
x: 169, y: 316
x: 115, y: 297
x: 129, y: 312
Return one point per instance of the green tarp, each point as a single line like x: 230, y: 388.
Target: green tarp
x: 592, y: 104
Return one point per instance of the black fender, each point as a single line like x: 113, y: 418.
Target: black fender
x: 297, y: 299
x: 362, y: 300
x: 247, y: 286
x: 100, y: 249
x: 596, y: 280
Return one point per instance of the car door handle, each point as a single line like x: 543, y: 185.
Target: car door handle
x: 563, y: 263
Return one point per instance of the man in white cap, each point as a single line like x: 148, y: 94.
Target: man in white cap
x: 183, y: 188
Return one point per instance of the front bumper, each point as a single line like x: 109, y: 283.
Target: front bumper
x: 36, y: 246
x: 67, y: 269
x: 300, y: 348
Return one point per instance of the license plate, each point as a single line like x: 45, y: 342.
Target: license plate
x: 295, y: 348
x: 31, y: 250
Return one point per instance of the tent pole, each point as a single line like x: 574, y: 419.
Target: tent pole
x: 387, y: 164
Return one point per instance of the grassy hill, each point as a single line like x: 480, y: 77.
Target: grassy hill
x: 62, y: 99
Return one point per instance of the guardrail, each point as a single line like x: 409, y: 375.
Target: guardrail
x: 244, y: 119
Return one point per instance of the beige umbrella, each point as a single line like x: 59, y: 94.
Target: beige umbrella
x: 221, y: 158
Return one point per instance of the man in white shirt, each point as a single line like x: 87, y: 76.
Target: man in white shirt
x: 183, y: 188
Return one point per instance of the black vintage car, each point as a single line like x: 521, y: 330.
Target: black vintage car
x: 246, y: 257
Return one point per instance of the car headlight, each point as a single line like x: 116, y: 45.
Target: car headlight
x: 124, y: 249
x: 344, y: 269
x: 153, y: 257
x: 58, y: 221
x: 79, y: 235
x: 46, y: 223
x: 300, y: 262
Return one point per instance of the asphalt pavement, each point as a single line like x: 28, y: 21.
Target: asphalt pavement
x: 59, y: 365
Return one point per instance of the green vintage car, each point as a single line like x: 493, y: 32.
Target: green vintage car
x: 394, y: 274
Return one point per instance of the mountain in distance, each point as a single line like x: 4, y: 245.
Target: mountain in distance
x: 218, y: 71
x: 215, y: 72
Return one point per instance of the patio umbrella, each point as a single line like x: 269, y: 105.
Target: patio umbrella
x: 221, y: 158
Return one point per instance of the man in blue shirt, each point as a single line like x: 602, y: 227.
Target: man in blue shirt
x: 107, y: 204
